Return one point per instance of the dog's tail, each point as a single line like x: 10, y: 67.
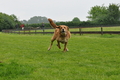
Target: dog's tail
x: 52, y: 23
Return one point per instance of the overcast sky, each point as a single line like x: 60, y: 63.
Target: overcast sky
x: 59, y: 10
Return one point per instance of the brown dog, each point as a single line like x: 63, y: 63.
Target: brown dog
x: 61, y: 34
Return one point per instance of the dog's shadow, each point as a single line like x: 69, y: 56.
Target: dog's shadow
x: 56, y: 52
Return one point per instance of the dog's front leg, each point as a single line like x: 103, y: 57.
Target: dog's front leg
x: 65, y: 47
x: 58, y: 44
x: 50, y: 45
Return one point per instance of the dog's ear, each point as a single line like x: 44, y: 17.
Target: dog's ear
x: 67, y: 28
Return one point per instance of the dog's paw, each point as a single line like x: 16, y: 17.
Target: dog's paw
x: 48, y: 49
x: 65, y: 50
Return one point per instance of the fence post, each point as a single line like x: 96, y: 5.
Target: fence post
x: 24, y: 31
x: 19, y: 31
x: 35, y: 31
x: 80, y: 30
x: 43, y: 31
x: 29, y: 31
x: 14, y: 31
x: 101, y: 30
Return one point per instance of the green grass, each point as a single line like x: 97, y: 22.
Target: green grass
x: 90, y: 57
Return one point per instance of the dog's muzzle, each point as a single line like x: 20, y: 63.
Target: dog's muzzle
x: 62, y: 30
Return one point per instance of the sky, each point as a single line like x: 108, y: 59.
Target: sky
x: 59, y: 10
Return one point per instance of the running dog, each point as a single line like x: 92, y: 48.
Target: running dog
x: 61, y: 34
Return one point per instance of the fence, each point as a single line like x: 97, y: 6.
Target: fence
x: 28, y: 31
x: 40, y: 31
x: 96, y: 32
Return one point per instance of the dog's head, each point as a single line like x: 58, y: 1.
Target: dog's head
x: 63, y: 28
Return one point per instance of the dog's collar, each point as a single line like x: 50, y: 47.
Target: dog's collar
x: 63, y: 35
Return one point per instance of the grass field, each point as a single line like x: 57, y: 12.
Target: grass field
x: 90, y: 57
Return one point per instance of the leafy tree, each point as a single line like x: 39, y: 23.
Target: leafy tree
x: 6, y: 21
x: 24, y: 21
x: 104, y: 15
x: 14, y: 17
x: 36, y: 20
x: 97, y: 12
x: 76, y: 19
x: 113, y: 13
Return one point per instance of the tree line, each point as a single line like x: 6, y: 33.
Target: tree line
x: 98, y: 16
x: 8, y: 21
x: 35, y: 20
x: 105, y: 15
